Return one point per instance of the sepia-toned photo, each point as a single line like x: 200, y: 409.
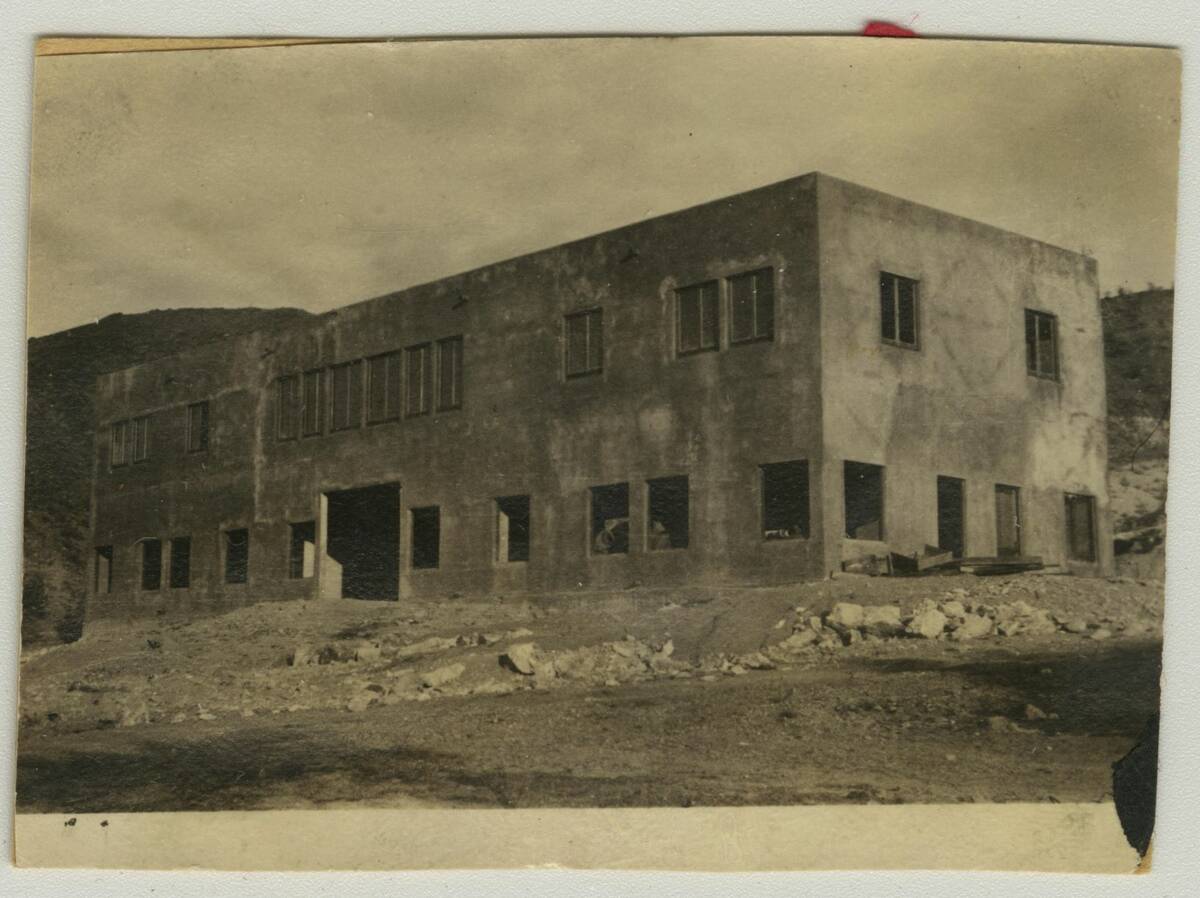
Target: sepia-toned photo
x: 749, y: 423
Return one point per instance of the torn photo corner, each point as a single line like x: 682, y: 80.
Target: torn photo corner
x: 698, y: 453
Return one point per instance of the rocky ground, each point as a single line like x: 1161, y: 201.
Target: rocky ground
x: 855, y: 689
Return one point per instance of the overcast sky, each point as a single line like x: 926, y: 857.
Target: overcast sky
x: 315, y: 176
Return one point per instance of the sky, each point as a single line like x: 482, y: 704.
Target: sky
x: 314, y: 176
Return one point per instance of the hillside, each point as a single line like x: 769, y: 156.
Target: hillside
x: 62, y: 371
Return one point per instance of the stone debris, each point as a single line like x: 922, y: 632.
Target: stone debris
x: 520, y: 658
x: 845, y: 616
x: 973, y: 626
x: 883, y: 621
x: 1101, y: 633
x: 1033, y: 712
x: 928, y: 624
x: 435, y: 679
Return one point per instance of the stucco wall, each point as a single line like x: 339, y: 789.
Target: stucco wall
x: 962, y: 404
x: 523, y: 429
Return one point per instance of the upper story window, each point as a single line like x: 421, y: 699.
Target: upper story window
x: 141, y: 438
x: 898, y: 309
x: 419, y: 368
x: 1041, y: 344
x: 347, y: 393
x: 288, y: 407
x: 450, y: 373
x: 752, y: 306
x: 119, y: 450
x: 310, y: 423
x: 698, y: 325
x: 197, y: 427
x: 584, y: 343
x: 383, y: 387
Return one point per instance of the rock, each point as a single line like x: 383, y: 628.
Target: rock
x: 850, y: 637
x: 368, y: 652
x: 519, y: 633
x: 430, y: 646
x: 435, y: 679
x: 953, y: 608
x: 928, y: 624
x: 845, y: 616
x: 1033, y: 712
x: 1008, y: 627
x: 1101, y: 634
x: 815, y: 624
x: 798, y: 641
x: 882, y: 620
x: 1040, y: 622
x: 998, y: 724
x: 756, y: 661
x: 626, y: 648
x: 519, y: 657
x: 1076, y: 625
x: 667, y: 649
x: 205, y: 715
x: 973, y: 626
x: 301, y: 655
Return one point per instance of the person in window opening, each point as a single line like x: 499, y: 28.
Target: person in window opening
x: 660, y: 538
x: 614, y: 537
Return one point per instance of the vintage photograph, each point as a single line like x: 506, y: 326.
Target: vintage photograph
x: 597, y: 423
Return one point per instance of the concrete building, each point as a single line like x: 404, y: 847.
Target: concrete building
x: 748, y: 392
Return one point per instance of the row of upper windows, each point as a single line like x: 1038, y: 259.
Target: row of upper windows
x: 413, y: 383
x: 899, y: 325
x: 426, y: 376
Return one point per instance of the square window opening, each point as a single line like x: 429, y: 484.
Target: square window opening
x: 785, y: 500
x: 667, y: 513
x: 863, y: 487
x: 151, y: 564
x: 302, y: 550
x: 610, y: 519
x: 237, y: 556
x: 512, y: 528
x: 181, y: 562
x: 426, y: 537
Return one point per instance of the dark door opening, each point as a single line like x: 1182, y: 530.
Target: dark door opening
x: 1008, y: 521
x: 863, y: 487
x: 363, y: 536
x: 950, y: 512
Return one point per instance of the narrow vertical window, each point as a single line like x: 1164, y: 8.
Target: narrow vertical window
x: 1081, y: 527
x: 426, y: 537
x: 302, y: 550
x: 698, y: 318
x: 512, y: 528
x: 237, y: 556
x: 752, y: 306
x: 181, y: 562
x: 197, y: 427
x: 141, y: 438
x: 383, y: 388
x: 862, y: 487
x: 151, y: 564
x: 1041, y: 344
x: 119, y: 446
x: 584, y: 343
x: 667, y: 513
x: 312, y: 402
x: 347, y: 399
x: 418, y: 369
x: 785, y: 500
x: 287, y: 399
x: 610, y: 519
x: 450, y: 373
x: 898, y: 309
x: 104, y: 570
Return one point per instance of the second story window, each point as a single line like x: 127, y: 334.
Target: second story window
x: 119, y: 444
x: 141, y: 438
x: 698, y: 318
x: 1041, y: 344
x: 383, y: 387
x: 310, y: 424
x: 752, y: 306
x: 898, y: 310
x: 450, y: 372
x: 418, y: 364
x: 288, y: 414
x: 584, y: 343
x: 197, y: 427
x: 346, y: 399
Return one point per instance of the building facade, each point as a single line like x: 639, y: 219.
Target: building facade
x: 746, y: 392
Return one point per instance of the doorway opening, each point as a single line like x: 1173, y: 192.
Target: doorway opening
x: 950, y: 515
x: 362, y: 543
x: 863, y: 485
x: 1008, y: 521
